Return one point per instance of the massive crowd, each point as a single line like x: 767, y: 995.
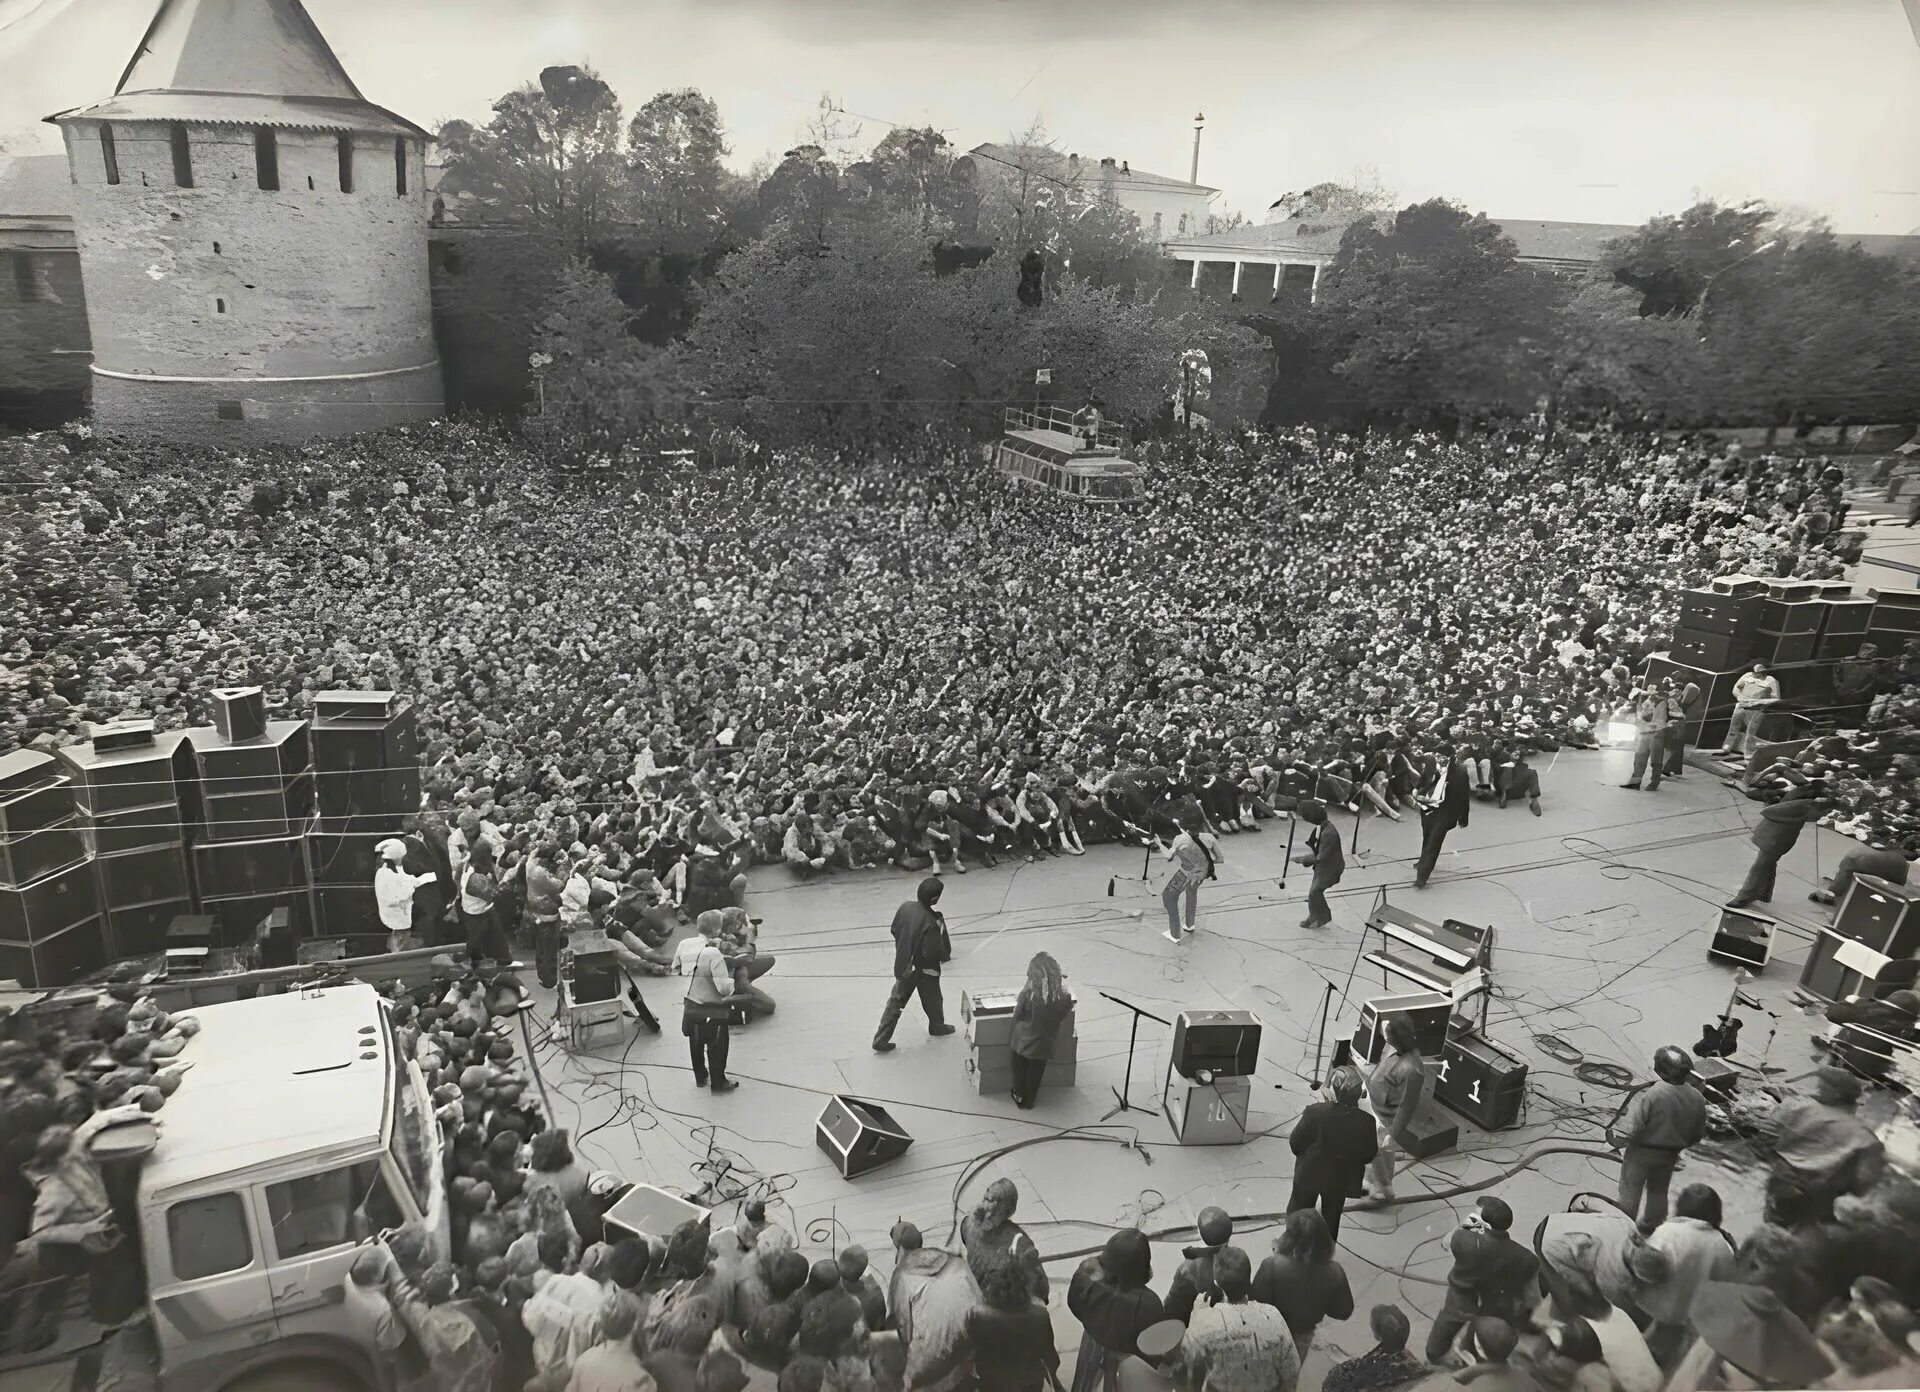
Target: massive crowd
x: 835, y: 660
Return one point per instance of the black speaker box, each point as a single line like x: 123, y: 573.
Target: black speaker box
x: 367, y: 771
x: 224, y: 869
x: 1791, y: 616
x: 1698, y: 648
x: 251, y: 816
x: 117, y: 780
x: 1429, y: 1011
x: 374, y: 706
x: 343, y: 858
x: 1834, y: 646
x: 59, y: 960
x: 116, y: 735
x: 235, y: 920
x: 132, y: 828
x: 1433, y: 1134
x: 341, y: 911
x: 140, y: 930
x: 1708, y: 611
x: 1481, y: 1081
x: 1743, y: 937
x: 49, y: 906
x: 1883, y: 915
x: 858, y: 1136
x: 259, y: 766
x: 1224, y: 1042
x: 45, y: 804
x: 1778, y: 649
x: 143, y: 877
x: 24, y: 859
x: 239, y: 713
x: 25, y: 769
x: 1842, y: 616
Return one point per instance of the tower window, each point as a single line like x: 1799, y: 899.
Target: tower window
x: 108, y: 155
x: 182, y: 156
x: 266, y: 159
x: 26, y: 285
x: 400, y: 166
x: 344, y: 145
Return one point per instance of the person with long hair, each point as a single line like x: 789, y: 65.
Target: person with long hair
x: 1110, y: 1297
x: 1301, y: 1279
x: 1194, y: 855
x: 1043, y: 1005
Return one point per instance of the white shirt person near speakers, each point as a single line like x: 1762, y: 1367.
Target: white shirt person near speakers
x: 393, y: 890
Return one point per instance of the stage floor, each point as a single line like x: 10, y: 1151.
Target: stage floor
x: 1603, y: 906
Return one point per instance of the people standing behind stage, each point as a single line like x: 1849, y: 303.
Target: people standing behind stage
x: 1753, y: 695
x: 1658, y: 1125
x: 1396, y: 1090
x: 1444, y: 805
x: 393, y: 891
x: 1333, y: 1143
x: 921, y: 946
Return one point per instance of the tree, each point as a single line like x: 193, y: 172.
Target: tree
x: 681, y: 189
x: 603, y: 386
x: 550, y: 156
x: 1605, y: 356
x: 1433, y: 315
x: 804, y: 194
x: 1672, y: 260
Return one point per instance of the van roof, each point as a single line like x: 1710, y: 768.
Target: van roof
x: 273, y: 1079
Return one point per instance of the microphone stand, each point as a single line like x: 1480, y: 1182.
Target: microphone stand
x: 1320, y: 1036
x: 1121, y: 1093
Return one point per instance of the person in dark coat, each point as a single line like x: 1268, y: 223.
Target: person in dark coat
x: 1193, y: 1278
x: 1333, y: 1142
x: 1010, y: 1334
x: 1773, y: 836
x: 1302, y: 1280
x: 1325, y: 856
x: 1443, y: 807
x: 1110, y: 1298
x: 1043, y: 1006
x: 1491, y: 1274
x: 920, y: 946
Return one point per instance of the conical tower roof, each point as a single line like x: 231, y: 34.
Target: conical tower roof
x: 241, y: 62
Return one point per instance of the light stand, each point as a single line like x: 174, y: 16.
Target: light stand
x: 1121, y: 1093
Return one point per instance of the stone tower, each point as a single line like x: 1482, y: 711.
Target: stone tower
x: 252, y: 237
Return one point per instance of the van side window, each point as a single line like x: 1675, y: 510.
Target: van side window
x: 208, y: 1236
x: 315, y: 1212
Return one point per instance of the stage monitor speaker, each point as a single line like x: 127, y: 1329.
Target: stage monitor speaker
x: 859, y: 1136
x: 1743, y: 937
x: 644, y: 1211
x: 1883, y: 915
x: 34, y: 856
x: 374, y: 706
x: 50, y: 905
x: 1430, y: 1012
x: 591, y: 965
x: 1224, y: 1042
x: 1481, y: 1081
x: 58, y: 960
x: 1212, y: 1113
x: 239, y: 713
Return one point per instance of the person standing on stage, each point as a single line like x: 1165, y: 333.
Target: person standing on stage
x: 1194, y: 855
x: 1037, y: 1014
x: 393, y: 891
x: 706, y: 1015
x: 1773, y: 836
x: 1655, y: 1127
x: 1443, y: 806
x: 1325, y: 856
x: 920, y: 947
x: 1396, y: 1090
x: 1653, y: 714
x: 1333, y: 1142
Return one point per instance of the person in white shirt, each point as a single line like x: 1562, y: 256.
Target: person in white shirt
x: 393, y: 891
x: 706, y: 1014
x: 471, y: 829
x: 1751, y: 695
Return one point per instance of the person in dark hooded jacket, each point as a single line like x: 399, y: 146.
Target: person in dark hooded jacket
x: 1194, y: 1276
x: 1109, y: 1296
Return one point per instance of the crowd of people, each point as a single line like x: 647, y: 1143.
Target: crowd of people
x: 832, y: 661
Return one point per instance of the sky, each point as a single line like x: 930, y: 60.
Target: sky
x: 1582, y: 110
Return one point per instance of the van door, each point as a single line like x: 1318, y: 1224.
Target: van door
x: 208, y: 1269
x: 316, y: 1226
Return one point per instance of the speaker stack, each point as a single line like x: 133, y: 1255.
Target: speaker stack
x: 129, y: 783
x: 366, y: 769
x: 1844, y: 622
x: 1790, y: 617
x: 1214, y: 1054
x: 249, y: 851
x: 1896, y: 618
x: 987, y: 1018
x: 1873, y: 947
x: 50, y: 926
x: 858, y: 1135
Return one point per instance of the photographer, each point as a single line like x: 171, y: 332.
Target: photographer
x: 1491, y: 1275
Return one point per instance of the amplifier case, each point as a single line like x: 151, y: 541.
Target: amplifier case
x: 1209, y: 1113
x: 1429, y: 1010
x: 1481, y: 1081
x: 1226, y: 1042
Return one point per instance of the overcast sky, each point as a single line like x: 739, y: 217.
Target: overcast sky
x: 1598, y: 110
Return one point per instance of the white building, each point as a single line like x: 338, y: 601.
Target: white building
x: 1167, y: 207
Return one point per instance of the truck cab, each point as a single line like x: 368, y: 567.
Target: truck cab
x: 299, y: 1135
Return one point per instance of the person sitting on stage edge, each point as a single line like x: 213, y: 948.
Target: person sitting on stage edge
x: 920, y: 947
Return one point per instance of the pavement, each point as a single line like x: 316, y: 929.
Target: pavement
x: 1603, y: 908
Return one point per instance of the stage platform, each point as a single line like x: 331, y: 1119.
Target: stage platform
x: 1604, y: 907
